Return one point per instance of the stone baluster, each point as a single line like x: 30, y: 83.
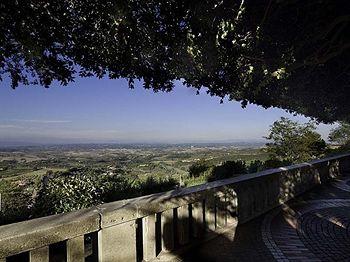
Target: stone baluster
x: 117, y: 243
x: 183, y: 227
x: 210, y: 210
x: 39, y: 255
x: 167, y: 228
x: 221, y: 208
x: 197, y: 219
x: 75, y: 249
x: 149, y: 237
x: 232, y: 205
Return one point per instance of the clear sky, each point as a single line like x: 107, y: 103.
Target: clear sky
x: 101, y: 110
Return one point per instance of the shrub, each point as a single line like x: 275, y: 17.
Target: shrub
x: 65, y: 192
x: 78, y: 188
x: 228, y: 169
x: 275, y: 163
x: 152, y: 185
x: 198, y: 168
x: 16, y: 203
x: 255, y: 166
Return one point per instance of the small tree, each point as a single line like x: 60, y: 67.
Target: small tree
x: 228, y: 169
x: 340, y: 135
x: 294, y: 142
x: 198, y: 168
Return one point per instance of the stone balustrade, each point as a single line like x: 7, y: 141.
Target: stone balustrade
x: 164, y: 224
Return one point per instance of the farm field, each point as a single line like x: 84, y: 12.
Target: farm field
x: 145, y: 169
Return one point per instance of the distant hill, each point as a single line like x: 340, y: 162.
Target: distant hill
x: 36, y: 146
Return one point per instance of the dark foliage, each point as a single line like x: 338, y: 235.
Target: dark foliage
x: 152, y: 185
x: 341, y: 135
x: 228, y: 169
x: 80, y: 188
x: 255, y: 166
x: 16, y: 203
x: 275, y: 163
x: 289, y: 54
x: 198, y: 168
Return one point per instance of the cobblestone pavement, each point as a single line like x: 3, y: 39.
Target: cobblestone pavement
x: 313, y: 227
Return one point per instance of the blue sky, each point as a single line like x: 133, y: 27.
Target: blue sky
x: 103, y: 110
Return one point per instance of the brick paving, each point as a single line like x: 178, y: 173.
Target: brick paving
x: 312, y: 227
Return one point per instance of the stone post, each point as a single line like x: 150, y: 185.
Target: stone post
x: 117, y: 243
x: 75, y: 249
x: 149, y: 237
x: 167, y: 225
x: 39, y: 255
x: 183, y: 224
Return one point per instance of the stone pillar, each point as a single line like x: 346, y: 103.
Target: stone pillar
x: 183, y: 225
x: 167, y: 225
x: 39, y: 255
x: 221, y: 208
x: 232, y: 206
x: 149, y: 237
x: 210, y: 211
x: 117, y: 243
x: 75, y: 249
x: 197, y: 224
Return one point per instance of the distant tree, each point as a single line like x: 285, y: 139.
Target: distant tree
x: 289, y: 54
x: 198, y: 168
x: 255, y: 166
x: 294, y: 142
x: 152, y: 185
x: 340, y: 135
x: 275, y: 163
x: 228, y: 169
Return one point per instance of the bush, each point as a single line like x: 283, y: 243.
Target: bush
x: 81, y: 188
x: 228, y: 169
x: 255, y: 166
x: 199, y: 168
x: 16, y: 203
x: 76, y: 189
x: 152, y: 185
x: 65, y: 192
x: 115, y: 188
x: 275, y: 163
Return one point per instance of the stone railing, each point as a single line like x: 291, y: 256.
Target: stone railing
x: 155, y: 226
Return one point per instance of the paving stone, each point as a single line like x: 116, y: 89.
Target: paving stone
x: 318, y: 230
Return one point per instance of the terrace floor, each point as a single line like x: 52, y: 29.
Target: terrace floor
x: 312, y: 227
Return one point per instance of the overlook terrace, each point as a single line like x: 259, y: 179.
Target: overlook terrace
x: 208, y: 218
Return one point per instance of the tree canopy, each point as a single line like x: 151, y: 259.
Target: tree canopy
x: 291, y: 54
x: 294, y: 142
x: 340, y: 135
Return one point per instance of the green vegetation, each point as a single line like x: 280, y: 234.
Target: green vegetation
x: 39, y: 181
x: 341, y: 135
x: 80, y: 188
x: 16, y: 202
x: 199, y: 168
x: 203, y: 171
x: 56, y: 180
x: 293, y: 142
